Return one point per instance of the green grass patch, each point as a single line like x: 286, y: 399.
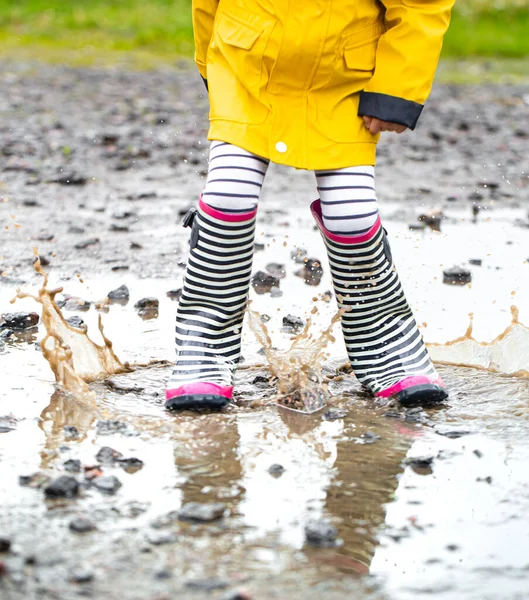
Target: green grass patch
x: 144, y: 33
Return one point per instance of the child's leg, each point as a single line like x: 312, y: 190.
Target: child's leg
x: 217, y: 280
x: 385, y: 347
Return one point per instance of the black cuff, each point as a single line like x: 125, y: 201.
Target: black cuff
x: 390, y: 108
x: 205, y: 82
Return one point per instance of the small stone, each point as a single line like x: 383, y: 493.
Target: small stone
x: 81, y: 525
x: 146, y: 195
x: 108, y: 484
x: 62, y: 487
x: 453, y: 434
x: 5, y: 544
x: 261, y: 379
x: 237, y: 595
x: 124, y: 214
x: 75, y: 230
x: 311, y: 272
x: 203, y: 513
x: 276, y: 470
x: 120, y: 293
x: 276, y: 270
x: 19, y: 321
x: 174, y: 294
x: 130, y: 465
x: 321, y: 533
x: 259, y: 247
x: 30, y: 202
x: 292, y: 324
x: 275, y: 292
x: 7, y: 423
x: 334, y: 413
x: 416, y: 226
x: 72, y: 466
x: 117, y: 227
x: 108, y: 427
x: 163, y: 574
x: 108, y: 455
x: 82, y: 576
x: 369, y: 437
x: 457, y: 276
x: 147, y: 303
x: 432, y: 220
x: 44, y: 236
x: 206, y: 585
x: 263, y: 282
x: 77, y: 322
x: 419, y: 462
x: 476, y: 261
x: 124, y: 387
x: 475, y: 196
x: 298, y: 255
x: 69, y: 178
x: 159, y: 538
x: 70, y: 432
x: 87, y: 243
x: 44, y: 262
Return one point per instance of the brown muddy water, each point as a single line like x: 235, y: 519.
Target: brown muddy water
x: 426, y: 503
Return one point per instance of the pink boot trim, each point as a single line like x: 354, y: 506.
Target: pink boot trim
x: 202, y: 387
x: 222, y: 216
x: 409, y: 382
x: 315, y: 208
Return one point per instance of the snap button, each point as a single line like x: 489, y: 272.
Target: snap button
x: 281, y: 147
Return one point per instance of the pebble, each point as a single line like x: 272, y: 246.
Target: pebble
x: 19, y: 321
x: 158, y: 538
x: 203, y: 513
x: 476, y: 261
x: 453, y: 434
x: 81, y: 525
x: 5, y: 544
x: 275, y: 292
x: 119, y: 228
x: 70, y: 432
x: 72, y: 466
x: 82, y: 576
x: 174, y: 294
x: 120, y: 293
x: 419, y: 462
x: 263, y: 282
x: 62, y: 487
x: 75, y: 321
x: 237, y: 595
x: 86, y: 243
x: 276, y: 470
x: 259, y: 247
x: 108, y: 484
x: 110, y: 426
x: 108, y: 455
x: 74, y: 303
x: 150, y: 303
x: 276, y: 270
x: 207, y: 585
x: 321, y: 533
x: 334, y: 413
x: 311, y: 272
x: 125, y: 387
x: 457, y: 276
x: 7, y: 423
x: 292, y: 324
x: 69, y: 178
x: 44, y: 262
x: 130, y: 465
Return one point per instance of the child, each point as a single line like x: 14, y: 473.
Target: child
x: 309, y: 84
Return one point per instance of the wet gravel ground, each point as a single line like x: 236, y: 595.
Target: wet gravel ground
x: 359, y: 501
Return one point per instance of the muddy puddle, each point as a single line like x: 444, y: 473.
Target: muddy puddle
x: 412, y: 494
x: 361, y: 499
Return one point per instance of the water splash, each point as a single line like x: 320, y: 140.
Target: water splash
x: 73, y: 357
x: 508, y: 353
x: 300, y: 383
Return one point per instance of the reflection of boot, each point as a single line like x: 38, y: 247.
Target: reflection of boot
x: 385, y: 347
x: 211, y: 308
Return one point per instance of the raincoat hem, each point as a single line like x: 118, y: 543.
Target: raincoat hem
x: 348, y: 154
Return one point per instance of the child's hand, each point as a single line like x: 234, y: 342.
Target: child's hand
x: 377, y: 125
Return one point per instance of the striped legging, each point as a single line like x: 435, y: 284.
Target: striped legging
x: 235, y: 179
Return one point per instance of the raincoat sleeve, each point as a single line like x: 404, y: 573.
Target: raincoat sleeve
x: 406, y: 60
x: 203, y: 18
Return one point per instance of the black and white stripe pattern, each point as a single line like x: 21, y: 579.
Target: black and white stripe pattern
x: 383, y: 341
x: 214, y: 297
x: 348, y: 199
x: 235, y: 178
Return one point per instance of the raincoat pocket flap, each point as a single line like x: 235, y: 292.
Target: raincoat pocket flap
x: 361, y: 58
x: 236, y: 34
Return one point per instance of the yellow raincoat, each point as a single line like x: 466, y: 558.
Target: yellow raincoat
x: 289, y: 79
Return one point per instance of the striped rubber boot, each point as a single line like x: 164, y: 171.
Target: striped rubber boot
x: 385, y: 347
x: 211, y: 308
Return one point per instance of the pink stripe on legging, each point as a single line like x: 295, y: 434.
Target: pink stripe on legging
x: 315, y: 207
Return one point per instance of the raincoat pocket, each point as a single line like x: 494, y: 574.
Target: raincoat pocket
x: 237, y: 47
x: 355, y: 66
